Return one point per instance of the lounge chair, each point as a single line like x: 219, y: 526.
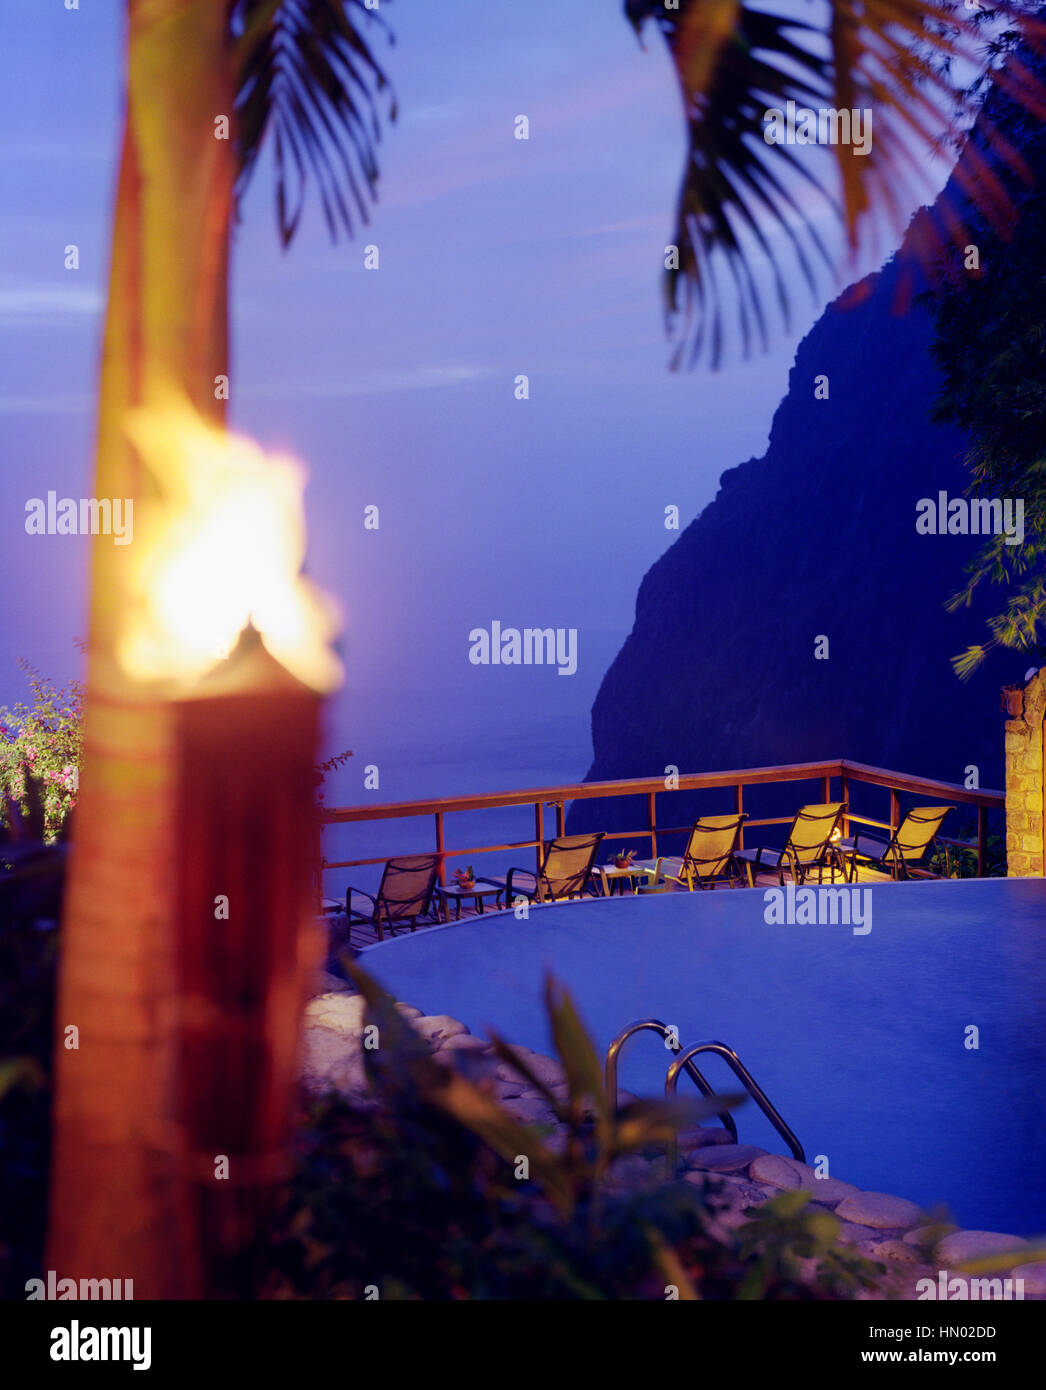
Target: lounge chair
x: 900, y: 855
x: 403, y: 899
x: 710, y: 856
x: 808, y: 846
x: 566, y: 871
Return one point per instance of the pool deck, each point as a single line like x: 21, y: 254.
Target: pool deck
x: 363, y: 935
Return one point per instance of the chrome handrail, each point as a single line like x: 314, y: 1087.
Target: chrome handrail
x: 655, y: 1024
x: 733, y: 1061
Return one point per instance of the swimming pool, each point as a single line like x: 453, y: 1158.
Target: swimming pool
x: 859, y: 1040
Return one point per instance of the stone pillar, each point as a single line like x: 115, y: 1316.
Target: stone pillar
x: 1025, y: 806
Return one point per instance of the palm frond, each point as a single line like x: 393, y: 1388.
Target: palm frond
x: 740, y: 205
x: 307, y: 75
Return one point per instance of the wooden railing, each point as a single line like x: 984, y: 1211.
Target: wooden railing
x: 841, y: 771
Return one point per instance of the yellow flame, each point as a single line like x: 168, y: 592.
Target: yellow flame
x: 221, y: 549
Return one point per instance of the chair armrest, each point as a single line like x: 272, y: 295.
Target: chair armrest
x: 360, y: 893
x: 877, y: 848
x: 526, y: 892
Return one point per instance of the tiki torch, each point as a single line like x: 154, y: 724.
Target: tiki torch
x: 239, y: 641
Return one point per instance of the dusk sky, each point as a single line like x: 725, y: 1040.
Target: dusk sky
x: 395, y: 386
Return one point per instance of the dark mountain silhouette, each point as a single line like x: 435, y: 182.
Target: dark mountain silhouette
x: 815, y: 539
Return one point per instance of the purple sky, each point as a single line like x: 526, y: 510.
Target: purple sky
x: 396, y: 387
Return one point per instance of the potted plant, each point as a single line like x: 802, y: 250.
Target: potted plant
x: 623, y: 859
x: 1013, y: 701
x: 465, y: 878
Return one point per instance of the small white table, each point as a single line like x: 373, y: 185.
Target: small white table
x: 608, y: 875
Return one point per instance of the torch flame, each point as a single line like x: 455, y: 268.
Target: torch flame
x: 222, y: 548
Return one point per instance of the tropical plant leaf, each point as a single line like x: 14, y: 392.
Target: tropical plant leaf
x: 991, y: 1264
x: 671, y: 1266
x: 404, y: 1060
x: 741, y: 198
x: 307, y: 75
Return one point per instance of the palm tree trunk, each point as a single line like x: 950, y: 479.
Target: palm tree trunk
x: 116, y: 1204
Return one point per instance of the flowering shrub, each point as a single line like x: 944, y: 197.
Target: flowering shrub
x: 41, y: 743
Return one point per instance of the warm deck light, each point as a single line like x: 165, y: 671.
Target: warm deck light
x: 219, y: 550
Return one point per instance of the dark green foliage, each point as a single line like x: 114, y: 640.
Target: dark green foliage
x: 27, y: 975
x: 991, y: 348
x: 743, y: 203
x: 307, y: 76
x: 417, y: 1195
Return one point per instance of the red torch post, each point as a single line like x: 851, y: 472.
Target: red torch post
x: 247, y: 852
x: 227, y: 630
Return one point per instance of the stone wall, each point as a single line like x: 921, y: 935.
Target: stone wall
x: 1025, y: 821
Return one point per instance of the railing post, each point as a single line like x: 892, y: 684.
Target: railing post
x: 844, y: 792
x: 440, y: 847
x: 895, y: 810
x: 982, y: 840
x: 651, y: 807
x: 739, y: 806
x: 826, y: 789
x: 539, y: 835
x: 561, y: 820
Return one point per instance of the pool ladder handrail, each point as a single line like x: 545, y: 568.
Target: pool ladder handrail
x: 685, y: 1062
x: 655, y: 1025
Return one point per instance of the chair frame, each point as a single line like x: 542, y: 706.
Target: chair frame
x: 731, y: 871
x: 427, y: 909
x: 542, y: 890
x: 788, y: 856
x: 893, y: 850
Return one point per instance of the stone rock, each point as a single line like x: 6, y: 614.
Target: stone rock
x: 879, y: 1210
x: 529, y: 1111
x: 1034, y: 1276
x: 851, y: 1234
x: 789, y: 1173
x: 630, y: 1169
x: 774, y: 1170
x: 349, y: 1077
x: 972, y: 1245
x: 544, y: 1068
x: 330, y: 1059
x: 326, y: 983
x: 507, y: 1089
x: 438, y: 1027
x: 724, y: 1158
x: 702, y: 1138
x: 343, y: 1012
x: 408, y: 1010
x: 891, y: 1250
x: 927, y: 1235
x: 764, y: 1190
x: 323, y: 1049
x: 464, y: 1042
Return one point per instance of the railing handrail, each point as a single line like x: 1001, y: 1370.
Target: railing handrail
x: 736, y: 779
x: 746, y: 1079
x: 691, y: 781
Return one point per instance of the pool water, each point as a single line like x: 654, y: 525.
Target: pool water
x: 860, y: 1040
